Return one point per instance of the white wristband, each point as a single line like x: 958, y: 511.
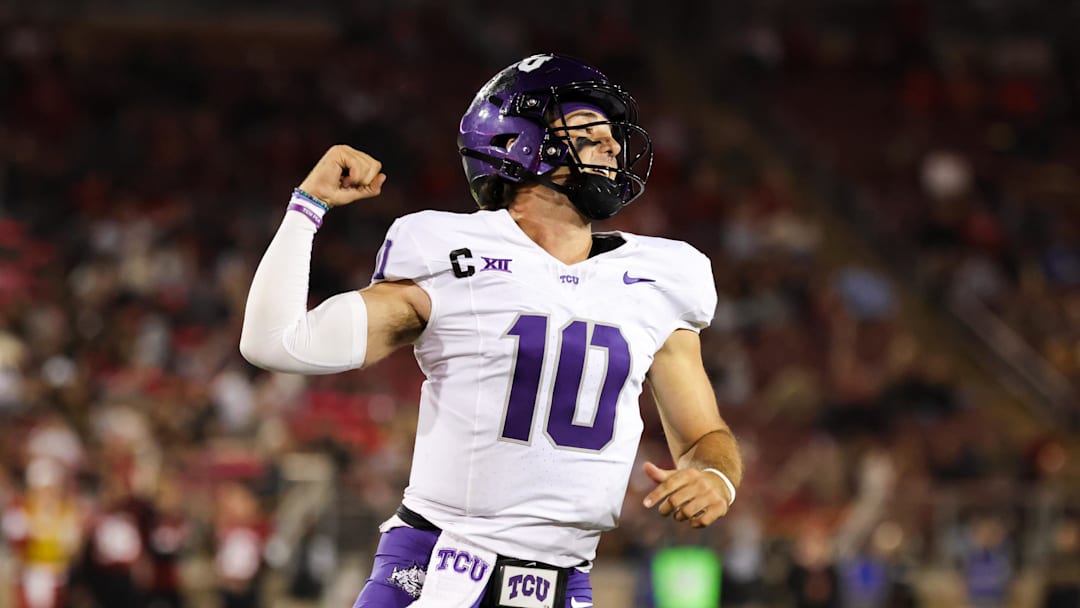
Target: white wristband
x: 727, y: 482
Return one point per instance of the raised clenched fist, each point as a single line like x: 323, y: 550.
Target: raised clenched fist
x: 344, y: 175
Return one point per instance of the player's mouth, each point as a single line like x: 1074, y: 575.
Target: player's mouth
x: 608, y: 173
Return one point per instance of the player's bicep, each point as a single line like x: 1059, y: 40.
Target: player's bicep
x: 683, y: 393
x: 397, y: 312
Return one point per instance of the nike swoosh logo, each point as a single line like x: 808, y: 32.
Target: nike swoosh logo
x: 575, y: 603
x: 629, y: 280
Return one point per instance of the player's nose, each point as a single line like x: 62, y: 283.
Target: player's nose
x: 610, y: 146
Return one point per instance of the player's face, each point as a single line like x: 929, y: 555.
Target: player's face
x: 594, y: 143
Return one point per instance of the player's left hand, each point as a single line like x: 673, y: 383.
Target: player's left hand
x: 692, y: 495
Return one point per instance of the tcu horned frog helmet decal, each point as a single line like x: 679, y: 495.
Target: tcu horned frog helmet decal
x: 506, y: 133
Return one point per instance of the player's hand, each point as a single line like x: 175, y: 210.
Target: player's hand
x: 344, y: 175
x: 692, y: 495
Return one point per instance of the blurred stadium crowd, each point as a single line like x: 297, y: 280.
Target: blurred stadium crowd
x: 884, y: 190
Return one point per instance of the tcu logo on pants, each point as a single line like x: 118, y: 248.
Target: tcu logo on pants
x: 462, y: 562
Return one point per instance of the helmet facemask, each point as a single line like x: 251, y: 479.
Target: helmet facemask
x: 598, y: 191
x: 509, y: 136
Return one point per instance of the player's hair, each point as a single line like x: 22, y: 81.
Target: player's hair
x: 493, y: 192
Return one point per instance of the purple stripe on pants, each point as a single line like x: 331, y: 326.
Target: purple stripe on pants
x: 404, y: 552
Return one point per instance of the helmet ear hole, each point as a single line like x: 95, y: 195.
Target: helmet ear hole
x: 503, y: 140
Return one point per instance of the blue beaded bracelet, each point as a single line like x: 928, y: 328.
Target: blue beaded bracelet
x: 310, y: 198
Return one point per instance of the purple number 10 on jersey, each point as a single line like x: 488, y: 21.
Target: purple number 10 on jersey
x: 530, y: 331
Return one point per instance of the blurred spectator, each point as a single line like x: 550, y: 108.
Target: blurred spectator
x: 12, y: 359
x: 744, y: 561
x: 53, y: 440
x: 114, y: 568
x: 169, y: 538
x: 240, y: 538
x: 1062, y: 585
x: 813, y: 579
x: 945, y: 175
x: 316, y: 562
x: 866, y: 294
x: 986, y: 559
x: 45, y: 529
x: 875, y: 576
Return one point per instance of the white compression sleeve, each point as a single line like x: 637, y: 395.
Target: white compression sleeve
x: 279, y: 333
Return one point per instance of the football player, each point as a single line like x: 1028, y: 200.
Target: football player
x: 535, y: 334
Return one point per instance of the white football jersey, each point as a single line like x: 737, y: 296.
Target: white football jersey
x: 529, y: 420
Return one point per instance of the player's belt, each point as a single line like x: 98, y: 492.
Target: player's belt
x: 415, y: 520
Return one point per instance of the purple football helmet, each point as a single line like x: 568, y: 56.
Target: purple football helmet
x: 506, y: 133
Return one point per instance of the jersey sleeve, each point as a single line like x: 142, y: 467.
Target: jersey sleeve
x: 401, y: 257
x: 697, y: 298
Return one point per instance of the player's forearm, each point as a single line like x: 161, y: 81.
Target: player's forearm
x: 716, y: 450
x: 278, y: 293
x: 279, y: 333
